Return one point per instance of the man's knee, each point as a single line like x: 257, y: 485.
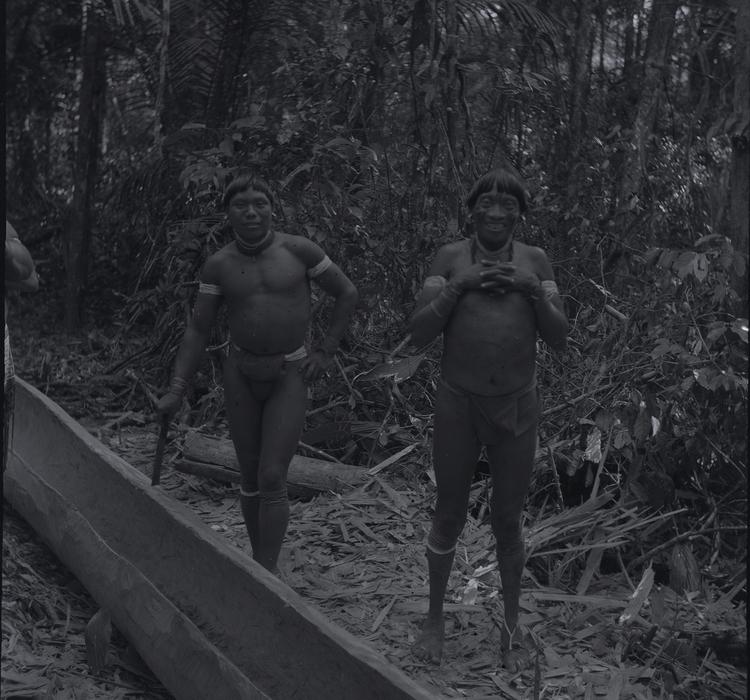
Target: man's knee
x: 508, y: 536
x: 271, y: 480
x: 445, y: 532
x: 274, y: 497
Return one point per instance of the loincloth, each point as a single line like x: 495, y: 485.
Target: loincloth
x: 263, y: 368
x: 490, y: 416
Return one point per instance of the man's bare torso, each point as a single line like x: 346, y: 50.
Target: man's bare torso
x: 490, y: 340
x: 267, y: 297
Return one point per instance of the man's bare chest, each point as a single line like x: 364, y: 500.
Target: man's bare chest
x: 280, y: 274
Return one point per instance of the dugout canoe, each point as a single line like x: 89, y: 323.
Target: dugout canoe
x: 208, y: 620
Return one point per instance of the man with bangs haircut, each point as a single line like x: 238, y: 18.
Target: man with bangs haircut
x: 263, y: 277
x: 489, y: 295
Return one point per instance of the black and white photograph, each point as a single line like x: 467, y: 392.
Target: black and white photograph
x: 375, y: 350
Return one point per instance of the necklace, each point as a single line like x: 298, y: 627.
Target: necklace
x: 504, y: 254
x: 254, y: 249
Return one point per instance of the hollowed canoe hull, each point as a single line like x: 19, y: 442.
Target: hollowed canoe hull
x: 208, y: 620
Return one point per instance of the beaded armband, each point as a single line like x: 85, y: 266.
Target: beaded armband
x: 320, y: 268
x: 549, y: 289
x: 206, y: 288
x: 177, y: 386
x: 444, y: 303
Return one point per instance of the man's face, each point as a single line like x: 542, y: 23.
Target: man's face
x: 495, y: 215
x: 249, y: 214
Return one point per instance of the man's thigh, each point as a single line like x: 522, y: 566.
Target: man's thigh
x: 511, y: 461
x: 244, y: 413
x: 283, y: 418
x: 455, y: 446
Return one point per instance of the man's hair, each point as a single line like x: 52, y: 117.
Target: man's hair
x: 503, y: 181
x: 241, y: 183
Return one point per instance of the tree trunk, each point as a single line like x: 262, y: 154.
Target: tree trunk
x: 580, y: 77
x: 451, y: 97
x: 90, y: 109
x: 740, y: 135
x: 661, y: 27
x: 163, y: 61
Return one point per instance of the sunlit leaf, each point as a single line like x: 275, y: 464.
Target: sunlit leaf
x: 399, y: 370
x: 639, y: 596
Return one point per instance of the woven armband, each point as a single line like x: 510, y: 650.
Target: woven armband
x: 320, y: 268
x: 549, y: 289
x: 177, y: 386
x: 443, y: 305
x: 206, y: 288
x: 435, y: 281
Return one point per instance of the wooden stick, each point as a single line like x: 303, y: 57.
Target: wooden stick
x: 682, y: 537
x: 160, y: 445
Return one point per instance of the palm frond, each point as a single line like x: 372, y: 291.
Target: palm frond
x: 487, y: 17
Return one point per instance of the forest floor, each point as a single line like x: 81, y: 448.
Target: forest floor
x: 358, y: 557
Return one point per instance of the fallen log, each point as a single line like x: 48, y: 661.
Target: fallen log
x: 214, y: 457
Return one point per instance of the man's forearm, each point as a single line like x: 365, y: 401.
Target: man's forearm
x: 19, y: 265
x: 189, y: 355
x: 428, y: 322
x: 343, y: 309
x: 552, y: 323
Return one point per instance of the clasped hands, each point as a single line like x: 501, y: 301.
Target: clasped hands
x: 500, y: 277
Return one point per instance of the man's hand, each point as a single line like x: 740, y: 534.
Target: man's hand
x: 508, y: 277
x: 169, y: 404
x: 314, y: 365
x: 472, y: 278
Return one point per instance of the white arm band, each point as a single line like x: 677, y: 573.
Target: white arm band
x: 435, y: 281
x: 549, y: 289
x: 206, y: 288
x: 320, y: 268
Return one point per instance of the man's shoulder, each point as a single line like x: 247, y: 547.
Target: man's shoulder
x: 453, y: 249
x: 536, y: 259
x: 303, y: 248
x: 532, y: 252
x: 215, y: 262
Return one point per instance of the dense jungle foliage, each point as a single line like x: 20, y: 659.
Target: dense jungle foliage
x: 628, y: 120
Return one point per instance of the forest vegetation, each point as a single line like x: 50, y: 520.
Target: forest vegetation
x: 628, y: 120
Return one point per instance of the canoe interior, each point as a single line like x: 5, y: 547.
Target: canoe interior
x: 260, y: 625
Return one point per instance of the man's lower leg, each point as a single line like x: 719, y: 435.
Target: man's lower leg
x: 439, y: 567
x: 510, y: 562
x: 250, y: 504
x: 429, y: 644
x: 273, y: 517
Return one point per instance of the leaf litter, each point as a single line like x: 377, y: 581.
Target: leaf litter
x: 359, y: 558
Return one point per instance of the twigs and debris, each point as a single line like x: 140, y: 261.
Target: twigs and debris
x: 625, y: 595
x: 45, y: 613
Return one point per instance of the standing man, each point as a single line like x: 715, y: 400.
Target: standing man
x: 263, y: 277
x: 489, y: 295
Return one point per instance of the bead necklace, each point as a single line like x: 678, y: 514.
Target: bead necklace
x: 254, y: 249
x: 504, y: 254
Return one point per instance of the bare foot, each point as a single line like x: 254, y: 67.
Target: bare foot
x: 429, y: 644
x: 517, y: 659
x: 515, y: 656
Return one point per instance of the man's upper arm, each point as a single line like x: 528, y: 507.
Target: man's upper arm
x: 547, y: 278
x: 209, y: 296
x: 437, y: 277
x: 321, y: 269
